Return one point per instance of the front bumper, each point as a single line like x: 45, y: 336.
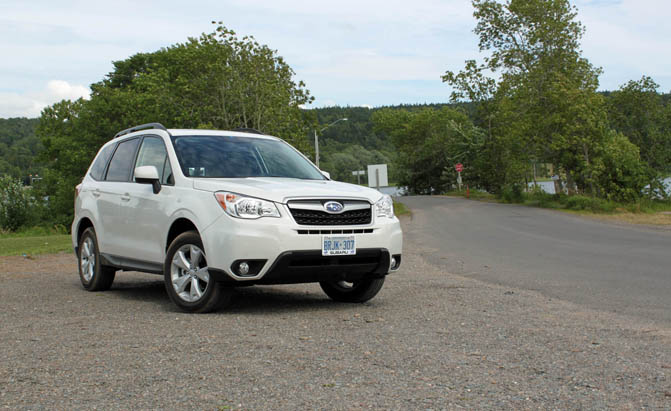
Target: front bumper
x: 293, y: 267
x: 292, y: 252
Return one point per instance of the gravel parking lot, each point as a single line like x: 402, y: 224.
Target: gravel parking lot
x: 430, y: 339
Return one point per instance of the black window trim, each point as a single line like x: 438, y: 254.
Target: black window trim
x: 132, y: 171
x: 104, y: 173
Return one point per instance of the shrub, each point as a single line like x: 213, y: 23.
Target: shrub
x: 595, y: 204
x: 512, y: 193
x: 15, y: 204
x: 539, y: 198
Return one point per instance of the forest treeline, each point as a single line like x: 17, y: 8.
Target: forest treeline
x: 530, y: 103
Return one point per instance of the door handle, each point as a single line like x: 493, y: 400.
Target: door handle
x: 125, y: 197
x: 96, y: 193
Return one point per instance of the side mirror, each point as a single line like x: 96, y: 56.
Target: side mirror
x: 148, y: 175
x: 326, y: 174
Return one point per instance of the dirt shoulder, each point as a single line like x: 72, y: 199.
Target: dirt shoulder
x: 430, y: 339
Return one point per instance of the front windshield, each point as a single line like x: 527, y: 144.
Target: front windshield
x: 239, y: 157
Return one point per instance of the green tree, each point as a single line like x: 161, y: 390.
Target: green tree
x: 18, y: 148
x: 15, y: 203
x: 544, y: 108
x: 429, y: 142
x: 638, y: 111
x: 215, y: 81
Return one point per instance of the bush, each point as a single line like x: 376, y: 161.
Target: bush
x: 15, y: 204
x: 539, y: 198
x: 594, y: 204
x: 512, y: 193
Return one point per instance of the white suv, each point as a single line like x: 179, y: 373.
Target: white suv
x: 210, y: 210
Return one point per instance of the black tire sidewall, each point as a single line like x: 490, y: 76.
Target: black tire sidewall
x: 362, y: 291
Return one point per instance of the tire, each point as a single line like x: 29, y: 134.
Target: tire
x: 187, y: 279
x: 93, y: 275
x: 354, y: 292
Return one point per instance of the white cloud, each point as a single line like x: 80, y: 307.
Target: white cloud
x: 30, y: 104
x: 378, y: 52
x: 62, y: 90
x: 372, y: 65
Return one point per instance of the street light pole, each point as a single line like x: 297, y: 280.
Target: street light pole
x: 317, y: 139
x: 316, y: 149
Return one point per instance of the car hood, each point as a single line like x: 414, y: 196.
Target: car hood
x: 282, y: 189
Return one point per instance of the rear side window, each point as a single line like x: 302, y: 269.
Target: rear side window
x: 98, y: 167
x: 122, y: 160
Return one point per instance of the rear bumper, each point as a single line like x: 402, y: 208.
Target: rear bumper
x: 292, y: 267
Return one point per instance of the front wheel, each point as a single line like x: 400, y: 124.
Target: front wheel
x: 187, y: 279
x: 352, y: 292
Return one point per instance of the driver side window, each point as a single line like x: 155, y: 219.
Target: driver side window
x: 153, y: 153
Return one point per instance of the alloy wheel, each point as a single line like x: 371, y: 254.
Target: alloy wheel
x: 188, y: 273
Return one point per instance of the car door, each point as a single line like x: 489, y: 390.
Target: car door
x: 144, y: 213
x: 112, y: 194
x: 92, y: 198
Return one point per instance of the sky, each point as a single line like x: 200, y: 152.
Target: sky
x: 349, y: 53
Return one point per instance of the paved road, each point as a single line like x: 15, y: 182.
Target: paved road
x: 624, y: 269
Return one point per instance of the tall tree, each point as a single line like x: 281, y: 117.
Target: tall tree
x: 215, y: 81
x: 638, y: 111
x: 429, y: 143
x: 544, y: 107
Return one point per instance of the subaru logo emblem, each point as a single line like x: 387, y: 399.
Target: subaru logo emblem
x: 333, y: 207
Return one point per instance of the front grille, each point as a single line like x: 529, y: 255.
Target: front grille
x: 315, y: 217
x: 359, y: 231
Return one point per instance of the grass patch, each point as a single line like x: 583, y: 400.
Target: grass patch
x: 473, y: 195
x: 400, y: 209
x: 35, y: 240
x: 661, y: 218
x: 644, y: 211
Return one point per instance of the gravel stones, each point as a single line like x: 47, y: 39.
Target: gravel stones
x: 429, y: 340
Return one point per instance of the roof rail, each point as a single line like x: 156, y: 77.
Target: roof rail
x: 141, y: 127
x: 247, y: 130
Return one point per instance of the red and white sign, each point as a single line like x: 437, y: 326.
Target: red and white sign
x: 459, y: 167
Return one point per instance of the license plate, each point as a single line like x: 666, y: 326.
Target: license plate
x: 338, y: 245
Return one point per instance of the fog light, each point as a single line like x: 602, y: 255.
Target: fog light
x: 243, y: 268
x: 395, y: 262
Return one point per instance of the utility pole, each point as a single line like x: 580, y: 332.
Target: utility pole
x: 317, y: 139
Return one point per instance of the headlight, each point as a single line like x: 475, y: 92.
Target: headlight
x: 385, y: 207
x: 239, y: 206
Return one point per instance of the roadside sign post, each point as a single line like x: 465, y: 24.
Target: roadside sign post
x: 377, y: 175
x: 358, y: 175
x: 459, y: 167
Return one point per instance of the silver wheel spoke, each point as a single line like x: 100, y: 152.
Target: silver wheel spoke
x: 87, y: 249
x: 195, y: 289
x: 195, y: 256
x: 203, y: 274
x: 180, y: 283
x: 181, y: 261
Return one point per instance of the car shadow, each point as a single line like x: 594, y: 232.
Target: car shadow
x: 255, y: 300
x: 141, y: 289
x: 264, y: 300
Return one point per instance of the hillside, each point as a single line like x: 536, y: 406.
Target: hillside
x: 18, y: 147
